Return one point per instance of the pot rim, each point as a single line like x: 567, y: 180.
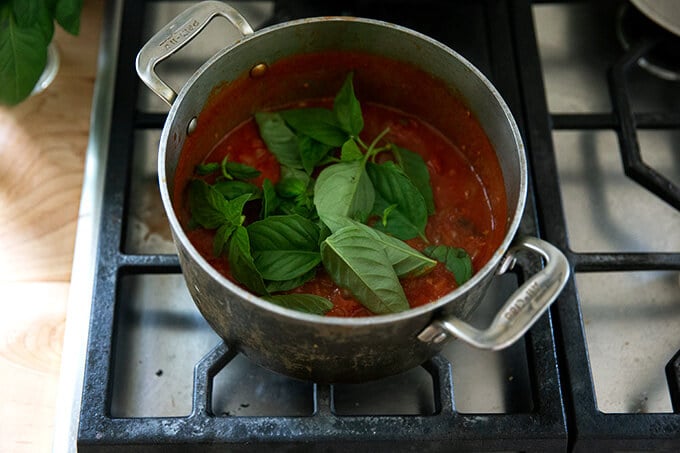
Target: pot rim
x: 374, y: 320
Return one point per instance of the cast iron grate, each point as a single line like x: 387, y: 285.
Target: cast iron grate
x: 590, y: 429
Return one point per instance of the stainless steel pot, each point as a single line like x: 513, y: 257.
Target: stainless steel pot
x: 329, y: 349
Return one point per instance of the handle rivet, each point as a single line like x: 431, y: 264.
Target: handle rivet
x: 440, y: 338
x: 258, y: 70
x: 191, y: 127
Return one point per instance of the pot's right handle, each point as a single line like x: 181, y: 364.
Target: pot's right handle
x: 522, y: 309
x: 175, y: 35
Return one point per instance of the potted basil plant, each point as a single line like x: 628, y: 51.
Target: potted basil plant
x: 26, y: 30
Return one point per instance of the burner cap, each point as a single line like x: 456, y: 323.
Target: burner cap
x: 664, y: 59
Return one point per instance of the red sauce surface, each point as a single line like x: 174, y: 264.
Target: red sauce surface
x: 465, y: 176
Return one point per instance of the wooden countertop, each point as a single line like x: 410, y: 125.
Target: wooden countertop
x: 42, y: 155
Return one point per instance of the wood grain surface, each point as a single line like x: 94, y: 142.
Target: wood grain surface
x: 42, y: 154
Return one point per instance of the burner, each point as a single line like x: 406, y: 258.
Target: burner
x: 663, y: 57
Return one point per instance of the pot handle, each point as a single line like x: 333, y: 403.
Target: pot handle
x: 522, y: 309
x: 175, y: 35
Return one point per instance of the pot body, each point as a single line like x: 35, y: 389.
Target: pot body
x: 308, y: 346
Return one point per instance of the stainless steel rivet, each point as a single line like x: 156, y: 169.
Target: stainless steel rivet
x: 192, y: 125
x: 440, y: 338
x: 258, y: 70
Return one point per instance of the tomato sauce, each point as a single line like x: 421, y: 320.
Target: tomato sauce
x: 466, y: 179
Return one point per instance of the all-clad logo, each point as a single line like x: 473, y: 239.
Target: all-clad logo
x: 179, y: 35
x: 516, y: 307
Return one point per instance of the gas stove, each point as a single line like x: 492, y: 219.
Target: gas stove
x: 600, y: 372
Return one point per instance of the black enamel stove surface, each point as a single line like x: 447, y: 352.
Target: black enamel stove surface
x: 158, y: 379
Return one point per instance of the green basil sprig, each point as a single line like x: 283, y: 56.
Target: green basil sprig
x: 456, y: 260
x: 26, y: 29
x: 284, y: 247
x: 355, y: 263
x: 306, y: 221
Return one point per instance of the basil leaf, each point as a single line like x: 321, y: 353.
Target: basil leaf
x: 287, y: 285
x: 293, y: 182
x: 343, y: 190
x: 350, y: 151
x: 270, y: 200
x: 302, y: 206
x: 406, y: 261
x: 295, y: 193
x: 206, y: 169
x: 26, y: 12
x: 415, y: 168
x: 408, y: 219
x: 233, y: 210
x: 207, y: 205
x: 234, y: 189
x: 241, y: 262
x: 347, y: 109
x: 456, y: 260
x: 67, y: 15
x: 312, y: 152
x: 355, y: 263
x: 306, y: 303
x: 222, y: 238
x: 280, y: 140
x: 210, y: 209
x: 23, y: 55
x: 317, y: 123
x: 46, y: 20
x: 238, y: 170
x: 284, y: 247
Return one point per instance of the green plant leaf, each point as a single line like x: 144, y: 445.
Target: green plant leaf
x: 67, y: 14
x: 287, y: 285
x: 208, y: 168
x: 415, y: 168
x: 46, y: 19
x: 312, y: 152
x: 270, y: 200
x: 292, y: 183
x: 306, y: 303
x: 317, y: 123
x: 222, y: 238
x: 234, y: 189
x: 356, y: 264
x: 241, y: 262
x: 456, y: 260
x: 406, y: 261
x: 279, y: 138
x: 347, y: 109
x: 343, y: 190
x: 392, y: 187
x: 210, y: 209
x: 295, y: 194
x: 27, y: 12
x: 23, y: 55
x: 206, y: 204
x: 284, y: 247
x: 234, y: 209
x: 350, y: 151
x: 238, y: 170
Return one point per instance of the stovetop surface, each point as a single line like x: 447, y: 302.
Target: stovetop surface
x: 589, y: 375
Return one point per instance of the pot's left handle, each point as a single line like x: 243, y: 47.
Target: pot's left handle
x: 175, y: 35
x: 520, y: 311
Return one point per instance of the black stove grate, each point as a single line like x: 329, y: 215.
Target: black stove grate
x: 506, y: 50
x: 591, y: 429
